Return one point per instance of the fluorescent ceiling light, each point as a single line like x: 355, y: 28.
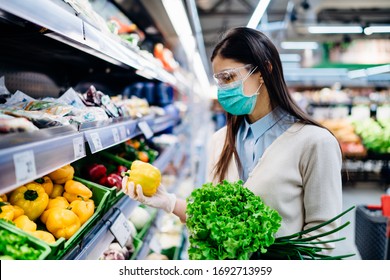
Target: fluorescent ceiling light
x: 299, y: 45
x: 258, y: 14
x: 178, y: 17
x: 369, y: 71
x: 290, y: 57
x: 377, y: 29
x: 332, y: 29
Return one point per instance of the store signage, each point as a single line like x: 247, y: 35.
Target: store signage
x: 97, y: 143
x: 121, y: 229
x: 25, y: 168
x: 146, y: 130
x: 115, y: 135
x: 78, y: 147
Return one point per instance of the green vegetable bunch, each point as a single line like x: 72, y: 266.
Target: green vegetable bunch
x: 227, y: 221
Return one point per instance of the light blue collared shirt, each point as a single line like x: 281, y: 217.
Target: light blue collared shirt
x: 253, y: 139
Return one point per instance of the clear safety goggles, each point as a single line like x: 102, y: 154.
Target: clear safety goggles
x: 231, y: 78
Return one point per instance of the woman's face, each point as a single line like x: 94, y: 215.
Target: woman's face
x: 223, y: 66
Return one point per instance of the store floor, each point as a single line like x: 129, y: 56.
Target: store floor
x: 357, y: 194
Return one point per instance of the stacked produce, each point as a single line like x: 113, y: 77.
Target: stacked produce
x: 344, y: 130
x: 49, y: 208
x: 375, y: 134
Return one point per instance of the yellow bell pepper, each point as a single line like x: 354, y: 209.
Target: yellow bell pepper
x: 18, y: 211
x: 63, y: 174
x: 24, y: 223
x: 3, y: 197
x: 58, y: 190
x: 76, y: 191
x: 46, y: 183
x: 59, y: 201
x: 6, y: 211
x: 44, y: 235
x: 32, y: 198
x: 146, y: 175
x: 62, y: 223
x: 83, y: 209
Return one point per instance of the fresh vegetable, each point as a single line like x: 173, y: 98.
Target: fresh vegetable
x: 146, y: 175
x: 139, y: 217
x: 46, y: 183
x: 96, y: 171
x: 75, y: 190
x: 59, y: 201
x: 17, y: 246
x: 32, y: 198
x: 44, y: 235
x: 83, y: 209
x: 116, y: 252
x: 61, y: 175
x: 4, y: 197
x: 18, y: 211
x: 227, y: 221
x: 58, y: 190
x: 6, y: 211
x: 24, y: 223
x: 120, y: 169
x: 62, y: 223
x: 114, y: 180
x: 143, y: 156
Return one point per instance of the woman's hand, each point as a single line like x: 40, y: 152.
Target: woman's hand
x: 161, y: 199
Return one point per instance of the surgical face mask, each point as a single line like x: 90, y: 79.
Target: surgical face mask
x: 231, y: 93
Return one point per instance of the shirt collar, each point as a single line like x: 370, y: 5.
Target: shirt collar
x: 259, y: 127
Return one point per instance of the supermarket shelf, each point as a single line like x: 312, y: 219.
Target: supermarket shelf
x: 80, y: 34
x: 32, y: 155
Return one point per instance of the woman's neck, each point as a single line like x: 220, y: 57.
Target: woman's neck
x: 262, y: 107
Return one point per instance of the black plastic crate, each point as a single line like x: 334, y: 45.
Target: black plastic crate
x: 370, y: 233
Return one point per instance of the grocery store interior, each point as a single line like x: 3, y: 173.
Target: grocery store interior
x: 87, y: 87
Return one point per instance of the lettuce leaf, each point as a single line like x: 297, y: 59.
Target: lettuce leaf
x: 228, y: 221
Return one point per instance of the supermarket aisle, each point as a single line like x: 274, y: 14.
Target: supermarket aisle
x: 358, y: 194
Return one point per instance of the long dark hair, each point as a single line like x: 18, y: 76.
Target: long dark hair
x: 251, y: 46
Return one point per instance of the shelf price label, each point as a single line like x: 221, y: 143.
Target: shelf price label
x: 121, y: 229
x: 78, y: 147
x: 97, y: 143
x: 122, y: 132
x: 145, y: 128
x: 115, y: 135
x: 25, y: 168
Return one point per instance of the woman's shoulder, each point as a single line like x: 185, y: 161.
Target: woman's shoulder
x: 220, y: 133
x: 317, y: 134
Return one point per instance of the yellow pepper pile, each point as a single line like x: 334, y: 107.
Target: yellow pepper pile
x: 62, y: 204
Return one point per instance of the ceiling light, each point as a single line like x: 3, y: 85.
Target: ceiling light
x: 258, y: 13
x: 334, y: 29
x: 299, y: 45
x: 377, y: 29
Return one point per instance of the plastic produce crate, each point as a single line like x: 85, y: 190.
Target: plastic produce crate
x: 370, y: 233
x: 100, y: 196
x: 137, y: 247
x: 30, y: 240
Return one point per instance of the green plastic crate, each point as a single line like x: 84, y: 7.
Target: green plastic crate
x: 100, y: 196
x: 32, y: 241
x: 137, y: 248
x: 153, y: 213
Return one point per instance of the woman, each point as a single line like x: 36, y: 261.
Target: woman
x: 282, y: 155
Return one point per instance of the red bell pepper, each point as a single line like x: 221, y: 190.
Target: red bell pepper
x: 114, y: 180
x: 96, y: 172
x: 120, y: 169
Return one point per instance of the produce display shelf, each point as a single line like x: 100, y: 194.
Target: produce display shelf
x: 31, y: 155
x: 79, y: 33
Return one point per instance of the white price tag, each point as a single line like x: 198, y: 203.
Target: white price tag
x: 97, y: 143
x: 145, y: 128
x: 24, y: 166
x: 122, y: 132
x: 78, y: 147
x: 121, y: 229
x: 115, y: 134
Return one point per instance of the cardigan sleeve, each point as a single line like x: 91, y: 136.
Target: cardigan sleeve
x: 322, y: 186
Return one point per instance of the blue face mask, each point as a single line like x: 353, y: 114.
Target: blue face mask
x: 235, y: 102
